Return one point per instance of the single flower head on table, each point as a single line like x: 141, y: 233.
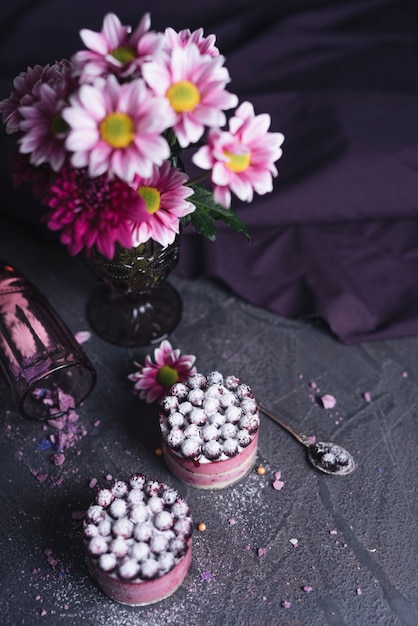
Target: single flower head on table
x: 101, y: 137
x: 161, y: 371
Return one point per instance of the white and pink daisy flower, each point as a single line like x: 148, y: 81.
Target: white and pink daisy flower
x: 194, y: 85
x: 182, y: 38
x: 242, y: 160
x: 153, y: 379
x: 116, y: 128
x: 91, y: 211
x: 115, y: 50
x: 164, y: 202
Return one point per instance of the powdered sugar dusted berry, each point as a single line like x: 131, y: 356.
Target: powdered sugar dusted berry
x: 105, y: 497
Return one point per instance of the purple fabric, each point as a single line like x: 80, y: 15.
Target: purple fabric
x: 337, y: 239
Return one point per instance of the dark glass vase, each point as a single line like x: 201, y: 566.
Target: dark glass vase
x: 135, y: 305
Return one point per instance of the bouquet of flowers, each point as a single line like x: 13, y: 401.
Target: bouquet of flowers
x: 101, y: 138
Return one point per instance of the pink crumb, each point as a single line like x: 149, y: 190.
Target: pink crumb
x: 261, y: 551
x: 58, y: 458
x: 286, y: 604
x: 278, y: 485
x: 82, y: 336
x: 307, y: 589
x: 328, y: 401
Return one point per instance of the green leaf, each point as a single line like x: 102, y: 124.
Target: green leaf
x: 208, y: 211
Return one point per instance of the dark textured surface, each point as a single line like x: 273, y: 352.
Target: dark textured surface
x: 357, y: 535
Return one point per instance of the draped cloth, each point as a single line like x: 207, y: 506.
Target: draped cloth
x: 337, y: 238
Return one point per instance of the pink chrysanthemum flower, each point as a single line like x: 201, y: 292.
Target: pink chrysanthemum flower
x: 44, y: 130
x: 20, y: 96
x: 116, y: 128
x: 194, y: 85
x: 182, y: 38
x: 91, y: 211
x: 115, y: 50
x: 155, y: 377
x: 164, y: 196
x: 242, y: 160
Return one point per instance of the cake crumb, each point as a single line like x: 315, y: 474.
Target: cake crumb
x: 286, y: 604
x: 307, y: 588
x: 328, y: 401
x: 261, y: 551
x: 294, y: 542
x: 359, y: 591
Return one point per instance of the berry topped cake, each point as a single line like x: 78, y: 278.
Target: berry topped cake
x: 210, y: 427
x: 138, y: 540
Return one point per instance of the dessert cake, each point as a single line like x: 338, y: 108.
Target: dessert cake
x: 210, y: 427
x: 138, y: 540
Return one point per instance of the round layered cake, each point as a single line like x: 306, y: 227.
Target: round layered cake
x: 209, y: 426
x: 138, y: 540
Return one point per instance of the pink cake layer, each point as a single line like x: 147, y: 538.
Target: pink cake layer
x: 213, y: 474
x: 141, y: 592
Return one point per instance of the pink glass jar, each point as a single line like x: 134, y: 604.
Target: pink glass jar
x: 39, y: 356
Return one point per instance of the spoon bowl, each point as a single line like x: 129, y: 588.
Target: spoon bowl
x: 326, y: 456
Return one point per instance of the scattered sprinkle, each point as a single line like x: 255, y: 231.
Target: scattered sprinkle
x: 158, y: 452
x: 405, y: 374
x: 358, y: 591
x: 45, y: 444
x: 58, y: 458
x: 261, y: 470
x: 231, y: 521
x: 201, y: 526
x: 333, y: 532
x: 328, y: 401
x: 206, y: 575
x: 93, y: 483
x: 307, y: 589
x: 82, y: 336
x: 380, y: 470
x: 247, y: 547
x: 261, y: 551
x: 40, y: 476
x: 294, y: 542
x: 78, y: 515
x: 367, y: 397
x: 286, y: 604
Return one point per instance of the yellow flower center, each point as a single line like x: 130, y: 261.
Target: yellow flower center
x: 239, y: 159
x: 167, y: 376
x: 151, y: 197
x: 123, y: 54
x: 117, y: 129
x: 183, y: 96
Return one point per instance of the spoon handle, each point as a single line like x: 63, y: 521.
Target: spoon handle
x: 303, y: 439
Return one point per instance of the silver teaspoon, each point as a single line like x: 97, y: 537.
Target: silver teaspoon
x: 324, y: 455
